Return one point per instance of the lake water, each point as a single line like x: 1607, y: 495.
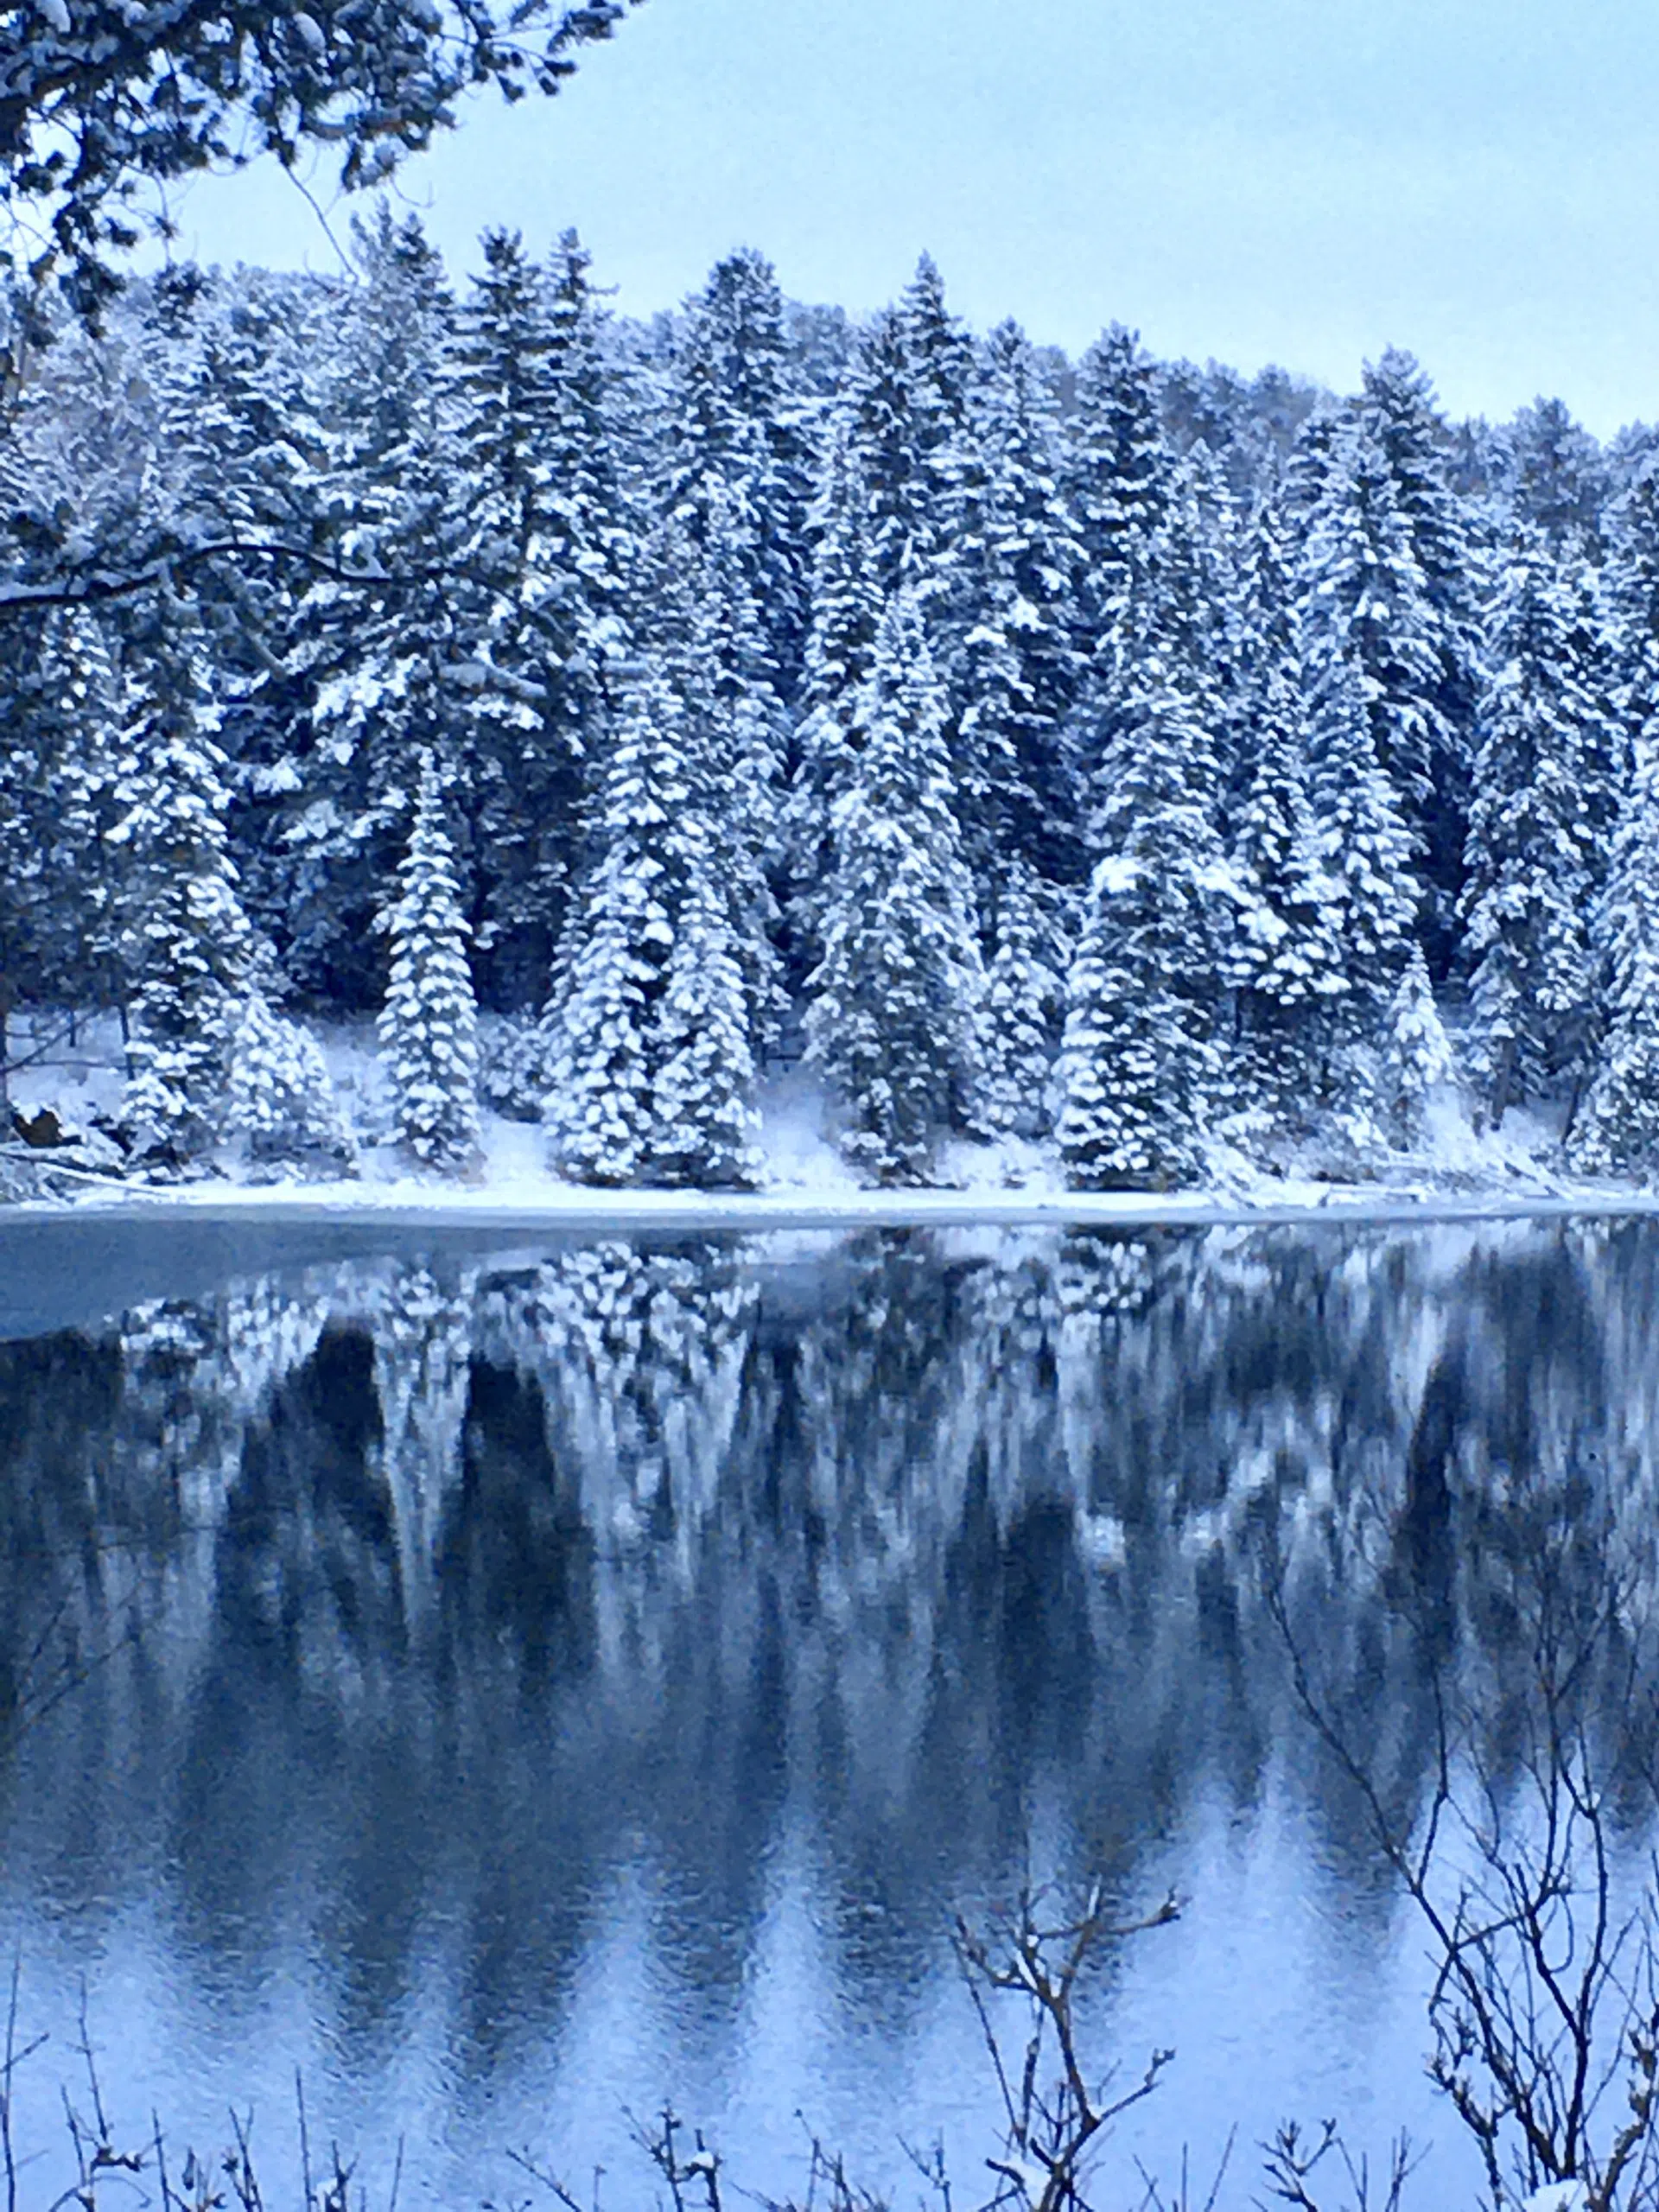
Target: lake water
x: 512, y: 1686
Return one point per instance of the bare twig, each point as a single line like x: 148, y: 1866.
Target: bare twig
x: 1053, y: 2113
x: 1544, y: 1997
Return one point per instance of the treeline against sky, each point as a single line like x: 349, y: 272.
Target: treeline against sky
x: 1114, y: 752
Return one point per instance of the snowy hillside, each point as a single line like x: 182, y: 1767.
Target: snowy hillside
x: 1110, y: 776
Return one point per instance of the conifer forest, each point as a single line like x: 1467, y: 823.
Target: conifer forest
x: 1106, y: 755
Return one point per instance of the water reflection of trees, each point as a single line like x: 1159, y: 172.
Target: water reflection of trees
x: 439, y: 1589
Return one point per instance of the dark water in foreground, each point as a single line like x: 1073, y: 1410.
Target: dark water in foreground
x: 520, y: 1685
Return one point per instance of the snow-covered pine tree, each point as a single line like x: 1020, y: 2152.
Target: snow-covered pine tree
x: 1007, y: 598
x: 24, y: 906
x: 428, y: 1023
x: 705, y: 1123
x: 238, y: 365
x: 1187, y: 618
x: 62, y: 716
x: 695, y: 613
x: 1397, y: 413
x: 600, y: 1111
x: 279, y: 1099
x: 1365, y: 599
x: 1126, y: 1081
x: 1630, y: 611
x: 1363, y: 844
x: 1284, y: 959
x: 650, y: 1070
x: 549, y: 540
x: 184, y: 942
x: 1139, y: 1068
x: 846, y: 612
x: 393, y: 672
x: 939, y: 357
x: 1309, y: 465
x: 1526, y: 890
x: 725, y: 680
x: 1023, y: 998
x: 1555, y: 473
x: 894, y: 1004
x: 735, y: 422
x: 1116, y: 483
x: 1616, y: 1129
x: 1593, y: 641
x: 1162, y: 601
x: 905, y: 395
x: 1416, y: 1057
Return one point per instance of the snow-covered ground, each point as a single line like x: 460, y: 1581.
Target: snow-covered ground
x: 807, y: 1183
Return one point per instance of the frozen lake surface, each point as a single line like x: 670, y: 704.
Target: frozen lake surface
x: 517, y: 1682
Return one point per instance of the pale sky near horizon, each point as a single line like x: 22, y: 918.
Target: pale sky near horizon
x: 1303, y: 182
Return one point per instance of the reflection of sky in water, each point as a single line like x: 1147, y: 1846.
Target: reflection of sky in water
x: 552, y: 1686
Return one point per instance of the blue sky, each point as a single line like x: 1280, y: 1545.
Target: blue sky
x: 1295, y: 181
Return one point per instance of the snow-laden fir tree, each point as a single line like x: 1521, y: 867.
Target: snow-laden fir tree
x: 1416, y: 1057
x: 1006, y: 601
x: 1169, y: 635
x: 1117, y: 483
x: 705, y: 614
x: 184, y: 944
x: 737, y: 440
x: 1397, y: 413
x: 1131, y: 1072
x: 1310, y: 463
x: 1555, y: 475
x: 279, y: 1099
x: 894, y: 1004
x: 650, y: 1070
x: 1628, y: 613
x: 240, y: 379
x: 1184, y: 615
x: 905, y: 394
x: 846, y: 612
x: 395, y: 669
x: 1284, y: 958
x: 1526, y: 894
x: 544, y: 555
x: 1023, y: 997
x: 1139, y: 1069
x: 600, y: 1111
x: 60, y: 703
x: 1364, y: 599
x: 1604, y: 737
x: 705, y: 1121
x: 429, y: 1021
x: 1363, y: 843
x: 24, y: 906
x: 939, y: 357
x: 1616, y: 1129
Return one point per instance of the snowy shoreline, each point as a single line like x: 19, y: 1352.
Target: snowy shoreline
x: 806, y: 1183
x: 413, y: 1205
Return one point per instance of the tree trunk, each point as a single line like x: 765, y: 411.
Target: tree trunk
x: 1502, y: 1084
